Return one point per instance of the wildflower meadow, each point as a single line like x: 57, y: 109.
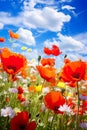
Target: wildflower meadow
x: 41, y: 96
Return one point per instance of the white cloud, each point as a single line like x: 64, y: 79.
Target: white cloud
x: 67, y: 43
x: 29, y: 5
x: 65, y: 0
x: 68, y: 7
x: 7, y: 19
x: 59, y: 61
x: 15, y: 45
x: 74, y: 56
x: 49, y: 43
x: 82, y: 37
x: 1, y: 25
x: 46, y: 18
x: 26, y: 36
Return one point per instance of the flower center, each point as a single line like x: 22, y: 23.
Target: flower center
x: 22, y: 127
x: 12, y: 68
x: 76, y: 75
x: 56, y: 108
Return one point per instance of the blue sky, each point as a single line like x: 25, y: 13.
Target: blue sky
x: 43, y: 23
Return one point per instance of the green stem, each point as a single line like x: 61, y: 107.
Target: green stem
x: 78, y: 103
x: 53, y: 120
x: 6, y: 123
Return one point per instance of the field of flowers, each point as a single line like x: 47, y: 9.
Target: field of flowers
x: 42, y: 97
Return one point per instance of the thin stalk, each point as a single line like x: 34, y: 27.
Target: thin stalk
x: 78, y: 103
x: 53, y: 120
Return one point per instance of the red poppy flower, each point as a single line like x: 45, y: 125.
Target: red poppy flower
x: 53, y: 100
x: 73, y: 71
x: 47, y: 51
x: 21, y: 122
x: 54, y: 51
x: 48, y: 61
x: 20, y: 90
x: 13, y: 35
x: 21, y: 97
x: 85, y: 105
x: 2, y: 39
x: 13, y: 63
x: 47, y: 73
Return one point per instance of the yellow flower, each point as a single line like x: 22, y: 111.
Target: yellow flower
x: 61, y: 85
x: 33, y: 60
x: 68, y: 95
x: 29, y: 50
x: 23, y: 48
x: 39, y: 88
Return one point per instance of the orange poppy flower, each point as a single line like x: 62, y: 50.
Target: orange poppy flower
x: 13, y: 35
x: 54, y: 51
x: 66, y: 60
x: 48, y: 61
x: 73, y: 71
x: 13, y: 63
x: 47, y: 73
x: 2, y: 39
x: 53, y: 100
x: 24, y: 72
x: 5, y: 52
x: 32, y: 89
x: 21, y: 122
